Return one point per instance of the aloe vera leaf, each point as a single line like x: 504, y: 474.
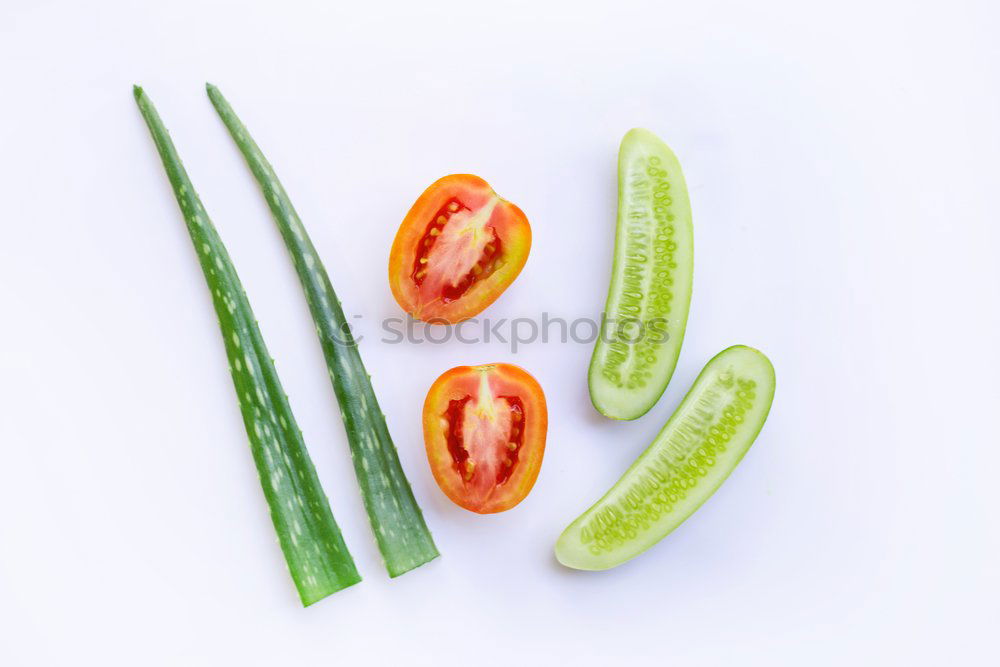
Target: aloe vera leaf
x: 314, y: 549
x: 397, y: 522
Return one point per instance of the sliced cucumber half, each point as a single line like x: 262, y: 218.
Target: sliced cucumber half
x: 693, y: 454
x: 647, y: 306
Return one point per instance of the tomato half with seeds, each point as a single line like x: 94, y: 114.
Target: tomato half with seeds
x: 484, y: 428
x: 457, y: 250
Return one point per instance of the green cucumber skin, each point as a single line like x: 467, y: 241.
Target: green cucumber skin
x: 651, y: 279
x: 310, y: 539
x: 397, y: 522
x: 692, y: 456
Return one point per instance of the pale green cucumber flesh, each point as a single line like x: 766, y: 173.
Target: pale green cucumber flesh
x: 650, y: 292
x: 400, y: 531
x: 690, y: 458
x: 314, y: 549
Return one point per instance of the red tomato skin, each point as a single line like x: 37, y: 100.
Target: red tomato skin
x: 463, y: 382
x: 506, y: 221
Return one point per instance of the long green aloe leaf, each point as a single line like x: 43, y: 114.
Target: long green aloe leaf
x: 396, y: 519
x: 314, y: 549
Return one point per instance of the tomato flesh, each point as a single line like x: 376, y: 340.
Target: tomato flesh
x: 458, y: 249
x: 484, y: 428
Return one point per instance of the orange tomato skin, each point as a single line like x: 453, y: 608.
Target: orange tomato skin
x: 467, y: 382
x: 486, y: 217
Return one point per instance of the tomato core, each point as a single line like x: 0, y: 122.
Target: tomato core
x: 457, y: 237
x: 500, y: 455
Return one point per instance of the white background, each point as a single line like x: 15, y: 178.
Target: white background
x: 842, y: 160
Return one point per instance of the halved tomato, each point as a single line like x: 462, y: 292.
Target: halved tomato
x: 457, y: 250
x: 484, y: 428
